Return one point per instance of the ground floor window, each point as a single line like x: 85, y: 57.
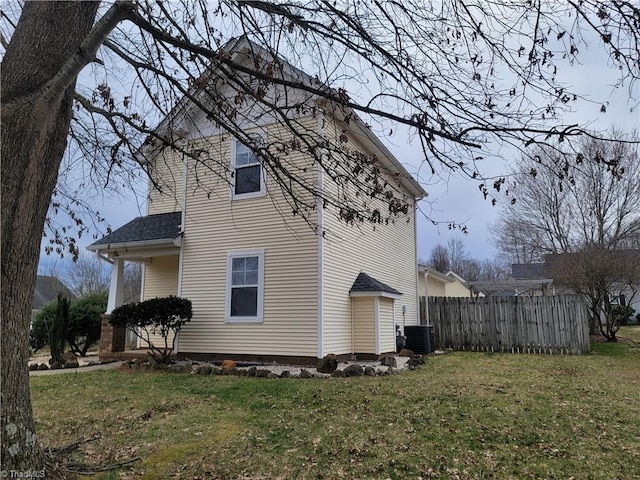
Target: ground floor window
x: 245, y: 285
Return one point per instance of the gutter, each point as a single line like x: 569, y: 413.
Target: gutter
x: 168, y: 242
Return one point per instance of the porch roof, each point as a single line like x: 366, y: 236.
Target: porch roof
x: 151, y: 230
x: 366, y: 285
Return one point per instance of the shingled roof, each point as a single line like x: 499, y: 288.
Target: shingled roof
x: 529, y: 270
x: 141, y: 230
x: 367, y: 284
x: 47, y: 289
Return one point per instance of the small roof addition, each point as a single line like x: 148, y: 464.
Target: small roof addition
x: 159, y: 229
x: 367, y: 286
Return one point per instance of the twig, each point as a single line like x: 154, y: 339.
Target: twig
x: 83, y: 469
x: 65, y: 450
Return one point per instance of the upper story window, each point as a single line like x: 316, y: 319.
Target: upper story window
x: 248, y: 173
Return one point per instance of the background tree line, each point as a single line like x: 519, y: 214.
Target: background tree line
x: 576, y: 208
x: 454, y: 257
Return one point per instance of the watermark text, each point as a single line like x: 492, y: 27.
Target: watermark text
x: 23, y: 473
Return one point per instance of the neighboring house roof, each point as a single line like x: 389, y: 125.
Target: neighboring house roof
x: 448, y: 277
x: 529, y: 270
x: 159, y: 229
x: 47, y: 289
x: 435, y: 273
x: 454, y: 275
x: 365, y: 285
x: 512, y: 286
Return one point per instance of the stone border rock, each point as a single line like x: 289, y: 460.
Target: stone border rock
x: 67, y: 364
x: 392, y: 365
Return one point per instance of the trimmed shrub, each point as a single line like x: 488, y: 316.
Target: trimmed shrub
x: 83, y: 328
x: 85, y: 319
x: 59, y: 328
x: 621, y: 315
x: 39, y: 334
x: 158, y: 316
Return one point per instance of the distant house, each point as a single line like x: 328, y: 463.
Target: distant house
x: 432, y: 283
x: 265, y: 286
x: 618, y: 271
x: 546, y: 278
x: 47, y: 289
x: 526, y: 280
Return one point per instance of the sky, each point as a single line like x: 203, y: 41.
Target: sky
x: 452, y: 198
x: 459, y: 199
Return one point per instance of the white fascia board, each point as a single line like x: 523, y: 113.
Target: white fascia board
x: 406, y: 179
x: 384, y: 154
x: 435, y: 273
x: 453, y: 274
x: 379, y: 293
x: 109, y: 247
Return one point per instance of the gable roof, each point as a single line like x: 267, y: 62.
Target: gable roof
x: 448, y: 277
x: 159, y: 229
x: 529, y: 270
x: 172, y: 125
x: 366, y: 285
x: 47, y: 289
x: 512, y: 286
x: 454, y: 276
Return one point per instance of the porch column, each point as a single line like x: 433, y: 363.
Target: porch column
x: 116, y: 288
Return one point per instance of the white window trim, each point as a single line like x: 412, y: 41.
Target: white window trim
x: 263, y: 188
x: 227, y: 303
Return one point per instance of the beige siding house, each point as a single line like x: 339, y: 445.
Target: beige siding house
x: 266, y: 284
x: 432, y: 283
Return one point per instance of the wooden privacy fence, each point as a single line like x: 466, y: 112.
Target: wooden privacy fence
x: 548, y: 324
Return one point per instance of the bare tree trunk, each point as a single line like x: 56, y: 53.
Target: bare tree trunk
x: 594, y: 317
x: 594, y: 325
x: 35, y: 122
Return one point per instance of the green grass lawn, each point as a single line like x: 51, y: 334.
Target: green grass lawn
x: 462, y: 416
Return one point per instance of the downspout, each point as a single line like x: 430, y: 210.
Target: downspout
x: 103, y: 258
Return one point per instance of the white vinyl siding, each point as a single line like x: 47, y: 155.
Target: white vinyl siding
x: 457, y: 289
x: 386, y: 252
x: 364, y: 339
x: 166, y: 183
x: 387, y: 327
x: 215, y: 226
x: 435, y: 287
x: 160, y: 280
